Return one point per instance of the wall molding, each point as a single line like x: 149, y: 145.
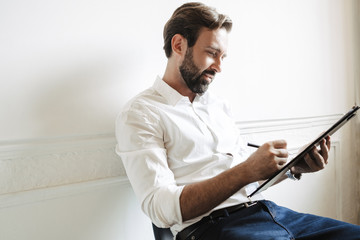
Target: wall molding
x: 41, y: 146
x: 40, y: 169
x: 39, y: 195
x: 259, y: 126
x: 42, y: 163
x: 336, y: 148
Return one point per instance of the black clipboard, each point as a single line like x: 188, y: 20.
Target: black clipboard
x: 336, y: 126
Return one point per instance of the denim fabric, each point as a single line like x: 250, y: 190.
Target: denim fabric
x: 268, y: 221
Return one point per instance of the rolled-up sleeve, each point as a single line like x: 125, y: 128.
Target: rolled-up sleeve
x: 140, y: 146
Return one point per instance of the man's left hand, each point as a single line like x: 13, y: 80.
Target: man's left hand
x: 315, y: 160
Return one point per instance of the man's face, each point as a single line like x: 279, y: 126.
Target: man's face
x: 192, y: 75
x: 203, y: 60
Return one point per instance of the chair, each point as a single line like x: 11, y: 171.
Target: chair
x: 162, y: 233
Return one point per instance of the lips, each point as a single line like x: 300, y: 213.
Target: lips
x: 209, y: 75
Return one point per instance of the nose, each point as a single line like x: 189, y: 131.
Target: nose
x: 217, y: 65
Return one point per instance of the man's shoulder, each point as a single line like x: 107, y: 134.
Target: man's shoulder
x: 145, y: 99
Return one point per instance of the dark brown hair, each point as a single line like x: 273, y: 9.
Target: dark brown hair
x: 188, y: 19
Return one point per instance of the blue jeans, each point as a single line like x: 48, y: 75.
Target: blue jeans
x: 267, y: 221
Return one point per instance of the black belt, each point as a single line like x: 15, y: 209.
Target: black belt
x: 197, y: 229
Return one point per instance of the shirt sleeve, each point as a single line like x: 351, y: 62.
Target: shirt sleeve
x: 141, y: 148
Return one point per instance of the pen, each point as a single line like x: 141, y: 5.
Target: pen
x: 253, y: 145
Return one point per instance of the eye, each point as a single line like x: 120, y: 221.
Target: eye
x: 212, y: 53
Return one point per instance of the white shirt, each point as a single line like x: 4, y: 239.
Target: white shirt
x: 166, y: 142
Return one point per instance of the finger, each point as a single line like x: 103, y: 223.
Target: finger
x: 281, y: 161
x: 282, y: 153
x: 324, y: 151
x: 317, y: 159
x: 310, y: 163
x: 279, y: 144
x: 328, y: 142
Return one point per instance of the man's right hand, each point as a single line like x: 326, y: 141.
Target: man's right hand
x: 267, y: 159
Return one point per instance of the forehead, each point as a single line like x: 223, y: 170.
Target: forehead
x: 217, y: 38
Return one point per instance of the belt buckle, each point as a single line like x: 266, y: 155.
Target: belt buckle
x: 249, y: 204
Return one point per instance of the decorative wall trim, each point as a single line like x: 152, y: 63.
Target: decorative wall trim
x: 39, y: 195
x: 286, y: 124
x: 42, y: 146
x: 40, y: 169
x: 336, y: 148
x: 42, y: 163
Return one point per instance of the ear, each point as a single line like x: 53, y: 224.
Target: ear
x: 178, y: 44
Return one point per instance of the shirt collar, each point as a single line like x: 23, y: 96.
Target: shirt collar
x: 172, y: 96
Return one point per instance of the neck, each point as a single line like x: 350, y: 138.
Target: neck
x: 173, y: 78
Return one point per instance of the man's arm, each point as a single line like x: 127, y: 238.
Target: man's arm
x: 199, y: 198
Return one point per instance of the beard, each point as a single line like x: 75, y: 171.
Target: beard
x: 192, y: 75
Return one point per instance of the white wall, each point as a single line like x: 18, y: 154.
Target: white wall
x: 67, y: 68
x: 357, y: 92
